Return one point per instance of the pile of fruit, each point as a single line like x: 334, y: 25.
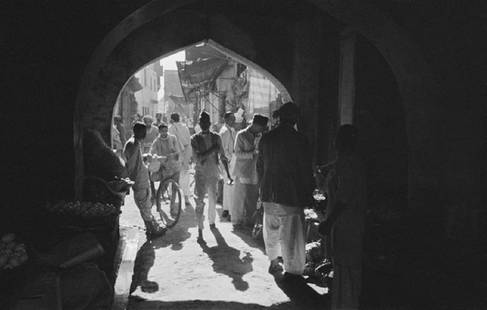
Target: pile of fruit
x: 83, y: 209
x: 12, y: 253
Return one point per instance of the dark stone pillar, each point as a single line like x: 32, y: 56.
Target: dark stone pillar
x: 346, y: 78
x: 306, y: 75
x: 327, y: 123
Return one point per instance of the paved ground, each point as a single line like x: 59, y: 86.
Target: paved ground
x: 228, y: 272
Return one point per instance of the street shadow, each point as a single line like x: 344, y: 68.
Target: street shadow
x: 145, y: 258
x: 227, y: 260
x: 143, y: 263
x: 246, y: 236
x: 302, y: 295
x: 176, y: 235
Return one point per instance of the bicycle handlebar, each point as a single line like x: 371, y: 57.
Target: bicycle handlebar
x: 106, y: 185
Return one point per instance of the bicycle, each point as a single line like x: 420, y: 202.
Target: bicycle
x: 167, y: 199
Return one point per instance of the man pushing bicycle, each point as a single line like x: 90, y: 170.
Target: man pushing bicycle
x: 165, y: 150
x: 138, y: 172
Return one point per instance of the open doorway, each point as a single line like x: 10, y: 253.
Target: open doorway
x: 229, y: 269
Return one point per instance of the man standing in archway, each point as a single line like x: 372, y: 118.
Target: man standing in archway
x: 181, y: 131
x: 208, y: 151
x: 286, y: 188
x: 346, y: 191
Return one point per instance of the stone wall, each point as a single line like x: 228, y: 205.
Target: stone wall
x: 73, y: 60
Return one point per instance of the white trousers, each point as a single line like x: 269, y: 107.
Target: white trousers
x: 203, y: 185
x: 228, y: 192
x: 184, y: 178
x: 227, y: 195
x: 244, y: 203
x: 284, y: 236
x: 184, y: 182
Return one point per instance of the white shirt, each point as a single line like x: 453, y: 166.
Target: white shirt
x: 228, y: 134
x: 182, y: 133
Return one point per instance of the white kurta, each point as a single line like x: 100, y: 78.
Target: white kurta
x: 150, y: 136
x: 228, y: 134
x: 181, y: 131
x: 245, y: 194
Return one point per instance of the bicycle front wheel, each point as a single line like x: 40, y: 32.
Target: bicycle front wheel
x: 169, y: 203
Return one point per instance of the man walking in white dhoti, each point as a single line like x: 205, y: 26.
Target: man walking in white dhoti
x: 181, y: 131
x: 286, y: 187
x: 227, y: 133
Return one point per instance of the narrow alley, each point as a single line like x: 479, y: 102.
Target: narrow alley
x: 228, y: 272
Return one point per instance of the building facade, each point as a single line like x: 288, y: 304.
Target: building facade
x: 147, y: 97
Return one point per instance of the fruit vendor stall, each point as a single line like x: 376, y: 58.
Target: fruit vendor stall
x: 78, y: 237
x: 61, y: 254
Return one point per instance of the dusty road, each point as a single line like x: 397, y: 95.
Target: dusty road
x: 228, y: 272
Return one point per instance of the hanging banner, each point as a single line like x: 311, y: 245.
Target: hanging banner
x: 199, y: 75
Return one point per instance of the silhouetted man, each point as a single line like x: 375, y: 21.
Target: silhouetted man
x: 286, y: 187
x: 346, y: 192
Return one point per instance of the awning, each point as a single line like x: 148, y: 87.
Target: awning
x: 180, y: 105
x: 199, y: 75
x: 179, y: 100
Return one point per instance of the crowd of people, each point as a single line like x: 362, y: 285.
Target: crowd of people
x: 261, y: 167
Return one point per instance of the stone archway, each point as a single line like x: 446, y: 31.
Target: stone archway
x: 419, y: 90
x: 160, y: 23
x: 113, y: 64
